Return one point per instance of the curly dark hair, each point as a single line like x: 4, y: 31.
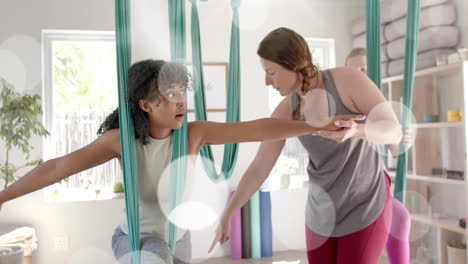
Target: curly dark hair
x: 146, y: 80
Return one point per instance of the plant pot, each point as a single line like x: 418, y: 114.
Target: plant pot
x: 118, y: 195
x: 456, y: 255
x: 285, y: 181
x: 11, y: 254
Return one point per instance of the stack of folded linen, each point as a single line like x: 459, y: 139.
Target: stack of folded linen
x: 24, y: 237
x: 438, y: 35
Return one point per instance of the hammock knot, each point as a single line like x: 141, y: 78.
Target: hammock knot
x: 235, y: 4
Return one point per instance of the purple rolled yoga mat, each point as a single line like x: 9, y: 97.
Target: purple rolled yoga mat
x: 236, y: 235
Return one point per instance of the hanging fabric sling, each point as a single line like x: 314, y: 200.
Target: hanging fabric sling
x: 232, y: 114
x: 373, y: 46
x: 127, y: 133
x: 373, y: 41
x: 412, y: 30
x: 180, y: 138
x: 233, y: 98
x: 374, y: 64
x: 180, y: 142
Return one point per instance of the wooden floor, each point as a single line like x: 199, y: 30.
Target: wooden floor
x: 285, y: 257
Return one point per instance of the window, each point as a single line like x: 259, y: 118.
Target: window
x: 79, y: 91
x: 323, y: 52
x: 290, y: 170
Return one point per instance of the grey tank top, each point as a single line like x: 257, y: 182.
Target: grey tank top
x: 347, y: 187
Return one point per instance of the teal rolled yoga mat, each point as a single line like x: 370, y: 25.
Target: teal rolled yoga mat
x: 256, y: 238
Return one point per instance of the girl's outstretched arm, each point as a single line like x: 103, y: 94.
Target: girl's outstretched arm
x: 104, y: 148
x: 265, y: 129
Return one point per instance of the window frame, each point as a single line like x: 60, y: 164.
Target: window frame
x: 48, y: 37
x: 328, y: 45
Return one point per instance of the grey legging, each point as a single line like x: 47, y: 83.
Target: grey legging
x: 154, y: 250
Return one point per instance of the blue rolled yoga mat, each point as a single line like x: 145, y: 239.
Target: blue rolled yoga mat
x: 266, y: 226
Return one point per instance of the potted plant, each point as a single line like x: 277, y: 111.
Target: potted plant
x: 285, y: 167
x: 98, y: 192
x: 456, y: 252
x: 20, y: 119
x: 118, y: 190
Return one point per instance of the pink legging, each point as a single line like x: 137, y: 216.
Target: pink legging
x: 398, y: 249
x: 362, y: 247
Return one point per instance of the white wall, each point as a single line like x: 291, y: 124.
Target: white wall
x: 89, y: 225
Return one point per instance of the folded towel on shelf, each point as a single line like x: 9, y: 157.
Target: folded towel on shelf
x: 439, y: 37
x: 439, y: 15
x: 424, y: 60
x: 391, y: 10
x: 24, y: 237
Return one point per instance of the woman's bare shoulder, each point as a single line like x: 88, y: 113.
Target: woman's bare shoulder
x: 346, y: 73
x: 111, y: 138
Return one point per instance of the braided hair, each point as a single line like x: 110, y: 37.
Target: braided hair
x: 289, y: 49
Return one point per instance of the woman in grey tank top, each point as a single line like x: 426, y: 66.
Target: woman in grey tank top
x: 348, y: 209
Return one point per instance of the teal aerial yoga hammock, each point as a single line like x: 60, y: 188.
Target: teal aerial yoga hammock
x: 412, y: 30
x: 180, y: 138
x: 180, y: 151
x: 373, y: 50
x: 127, y: 133
x: 373, y: 61
x: 233, y: 99
x: 232, y: 114
x: 180, y: 142
x: 373, y: 41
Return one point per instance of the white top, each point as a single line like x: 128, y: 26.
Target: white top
x: 154, y: 160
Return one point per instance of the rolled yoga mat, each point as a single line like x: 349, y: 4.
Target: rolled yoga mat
x: 246, y: 245
x: 266, y: 228
x: 236, y: 235
x: 255, y: 226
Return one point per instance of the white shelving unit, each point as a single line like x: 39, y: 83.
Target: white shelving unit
x: 436, y: 203
x: 431, y: 179
x: 447, y: 223
x: 438, y: 125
